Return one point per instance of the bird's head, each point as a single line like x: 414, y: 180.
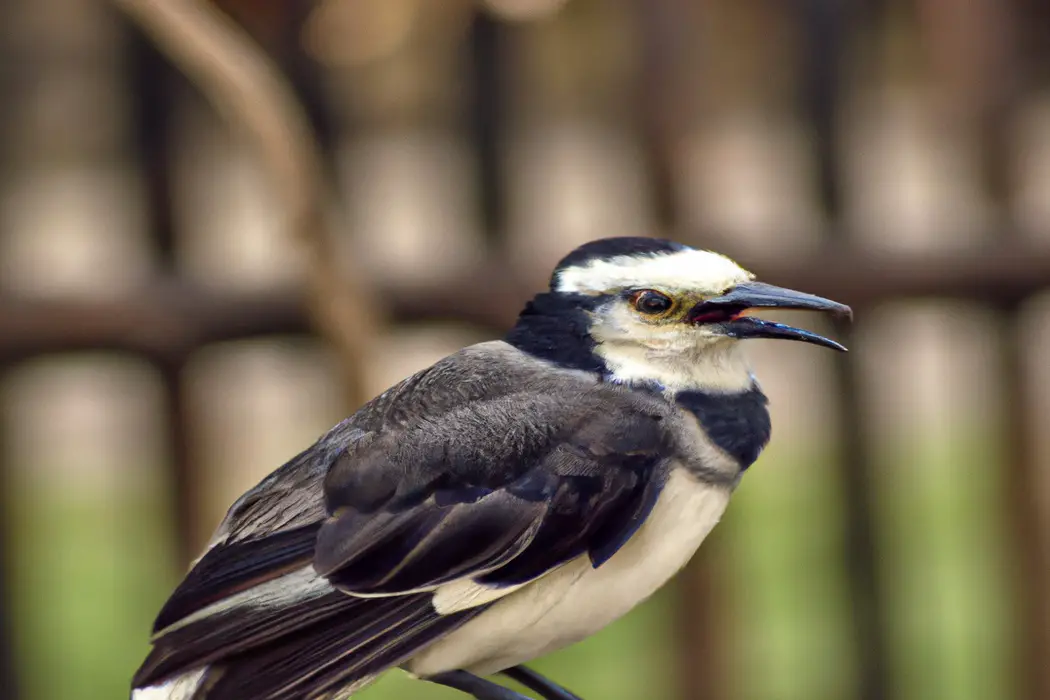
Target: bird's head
x: 643, y: 309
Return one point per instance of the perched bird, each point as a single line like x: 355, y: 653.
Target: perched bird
x: 513, y: 498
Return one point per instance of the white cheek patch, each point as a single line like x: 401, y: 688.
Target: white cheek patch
x: 699, y: 270
x: 718, y: 367
x: 677, y: 357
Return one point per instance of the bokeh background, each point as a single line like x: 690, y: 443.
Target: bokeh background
x: 211, y: 253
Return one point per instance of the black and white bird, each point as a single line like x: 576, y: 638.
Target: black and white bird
x: 512, y: 499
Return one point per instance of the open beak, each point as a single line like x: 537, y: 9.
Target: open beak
x: 725, y: 312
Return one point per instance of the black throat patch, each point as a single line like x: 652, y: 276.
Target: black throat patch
x: 737, y: 423
x: 556, y: 327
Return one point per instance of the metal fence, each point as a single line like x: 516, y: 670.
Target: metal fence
x: 171, y: 317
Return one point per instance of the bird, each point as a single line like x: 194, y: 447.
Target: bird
x: 511, y: 499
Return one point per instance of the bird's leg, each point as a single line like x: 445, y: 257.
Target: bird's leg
x: 474, y: 685
x: 544, y: 686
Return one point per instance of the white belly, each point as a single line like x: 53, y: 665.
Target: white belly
x: 576, y: 600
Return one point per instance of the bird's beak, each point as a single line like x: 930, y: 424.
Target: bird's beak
x: 725, y: 312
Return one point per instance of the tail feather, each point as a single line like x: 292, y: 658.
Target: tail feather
x: 324, y: 658
x: 234, y: 630
x: 319, y: 645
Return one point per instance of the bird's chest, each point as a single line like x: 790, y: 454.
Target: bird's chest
x: 577, y: 599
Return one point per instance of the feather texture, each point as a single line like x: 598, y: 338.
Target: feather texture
x: 230, y: 569
x: 541, y: 479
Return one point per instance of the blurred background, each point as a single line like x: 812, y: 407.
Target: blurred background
x: 212, y: 252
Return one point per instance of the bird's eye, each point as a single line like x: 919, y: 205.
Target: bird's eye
x: 652, y: 302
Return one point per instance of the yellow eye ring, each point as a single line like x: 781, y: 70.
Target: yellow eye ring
x: 651, y: 302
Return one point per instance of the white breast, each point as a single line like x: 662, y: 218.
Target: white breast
x: 577, y: 600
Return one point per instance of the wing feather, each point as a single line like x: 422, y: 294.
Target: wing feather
x: 227, y: 570
x: 563, y: 477
x: 426, y: 545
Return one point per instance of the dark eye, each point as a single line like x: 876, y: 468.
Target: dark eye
x: 651, y: 302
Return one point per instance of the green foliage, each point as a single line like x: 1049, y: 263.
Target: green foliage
x: 88, y: 576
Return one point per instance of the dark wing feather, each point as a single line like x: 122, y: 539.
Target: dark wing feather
x: 500, y: 490
x: 589, y: 514
x: 229, y: 569
x: 426, y: 544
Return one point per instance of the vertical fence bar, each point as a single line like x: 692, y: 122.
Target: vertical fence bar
x: 487, y: 114
x: 987, y: 76
x: 155, y: 87
x: 306, y: 78
x: 854, y: 461
x: 9, y: 94
x: 664, y: 96
x: 666, y: 110
x: 1025, y: 525
x: 183, y: 473
x: 826, y: 28
x: 8, y: 685
x: 304, y: 73
x: 984, y: 76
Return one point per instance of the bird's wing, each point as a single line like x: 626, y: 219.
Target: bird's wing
x: 480, y: 472
x: 501, y: 491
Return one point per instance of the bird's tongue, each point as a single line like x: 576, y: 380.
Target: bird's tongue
x: 717, y: 315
